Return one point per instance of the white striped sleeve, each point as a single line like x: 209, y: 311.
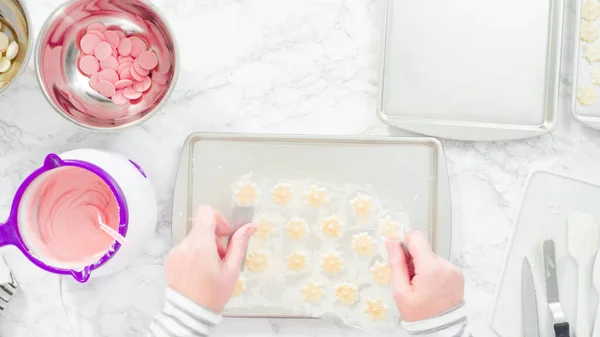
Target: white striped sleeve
x: 181, y: 317
x: 453, y: 323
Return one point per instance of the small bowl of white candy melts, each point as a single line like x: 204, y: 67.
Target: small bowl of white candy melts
x: 8, y: 51
x: 15, y: 42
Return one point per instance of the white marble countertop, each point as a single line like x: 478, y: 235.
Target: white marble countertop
x: 264, y: 66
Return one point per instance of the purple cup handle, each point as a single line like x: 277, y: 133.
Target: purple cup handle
x: 53, y: 161
x: 9, y: 235
x: 81, y: 276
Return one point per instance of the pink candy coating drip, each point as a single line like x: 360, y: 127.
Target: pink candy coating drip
x: 66, y: 228
x: 119, y: 67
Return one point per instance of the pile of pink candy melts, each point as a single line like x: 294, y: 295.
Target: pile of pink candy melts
x: 119, y: 67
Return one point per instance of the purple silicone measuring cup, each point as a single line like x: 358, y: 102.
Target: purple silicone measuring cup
x: 10, y: 233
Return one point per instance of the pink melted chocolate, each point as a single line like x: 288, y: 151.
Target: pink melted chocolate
x: 67, y: 228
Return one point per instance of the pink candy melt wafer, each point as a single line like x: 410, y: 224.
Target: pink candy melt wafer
x: 112, y: 38
x: 97, y: 33
x: 122, y: 84
x: 130, y: 93
x: 89, y: 42
x: 136, y: 76
x: 103, y: 51
x: 94, y: 79
x: 123, y: 66
x: 120, y: 99
x: 109, y: 75
x: 159, y: 78
x: 138, y: 46
x: 106, y: 89
x: 111, y: 63
x: 143, y: 86
x: 126, y: 64
x: 126, y: 60
x: 139, y: 69
x: 121, y: 34
x: 148, y: 60
x: 126, y: 74
x: 99, y: 26
x: 88, y: 64
x: 125, y: 47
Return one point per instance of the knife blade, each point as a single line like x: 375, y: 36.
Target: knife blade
x: 531, y: 327
x: 561, y: 326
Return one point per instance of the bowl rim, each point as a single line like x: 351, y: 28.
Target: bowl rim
x: 28, y: 53
x: 44, y: 31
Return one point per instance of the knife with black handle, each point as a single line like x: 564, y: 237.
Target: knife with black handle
x: 561, y: 326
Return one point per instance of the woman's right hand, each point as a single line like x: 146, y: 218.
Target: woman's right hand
x: 434, y: 287
x: 201, y: 267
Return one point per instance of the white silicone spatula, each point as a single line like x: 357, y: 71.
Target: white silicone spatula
x: 582, y: 237
x: 107, y: 229
x: 112, y: 233
x: 596, y: 279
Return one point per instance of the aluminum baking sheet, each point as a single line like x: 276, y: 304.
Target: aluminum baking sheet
x: 582, y: 71
x: 409, y: 171
x: 471, y: 69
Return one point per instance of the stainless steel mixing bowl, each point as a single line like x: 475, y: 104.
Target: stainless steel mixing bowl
x: 67, y: 89
x: 15, y: 22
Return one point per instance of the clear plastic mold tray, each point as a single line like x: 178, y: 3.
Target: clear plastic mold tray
x: 410, y: 172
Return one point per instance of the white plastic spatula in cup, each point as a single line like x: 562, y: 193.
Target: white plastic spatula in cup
x: 108, y: 230
x: 112, y: 233
x: 582, y: 238
x: 596, y: 279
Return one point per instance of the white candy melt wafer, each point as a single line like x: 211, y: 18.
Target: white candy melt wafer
x: 12, y: 50
x: 4, y: 64
x: 3, y: 42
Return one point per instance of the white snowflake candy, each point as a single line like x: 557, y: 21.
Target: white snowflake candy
x: 316, y: 196
x: 246, y: 193
x: 282, y: 194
